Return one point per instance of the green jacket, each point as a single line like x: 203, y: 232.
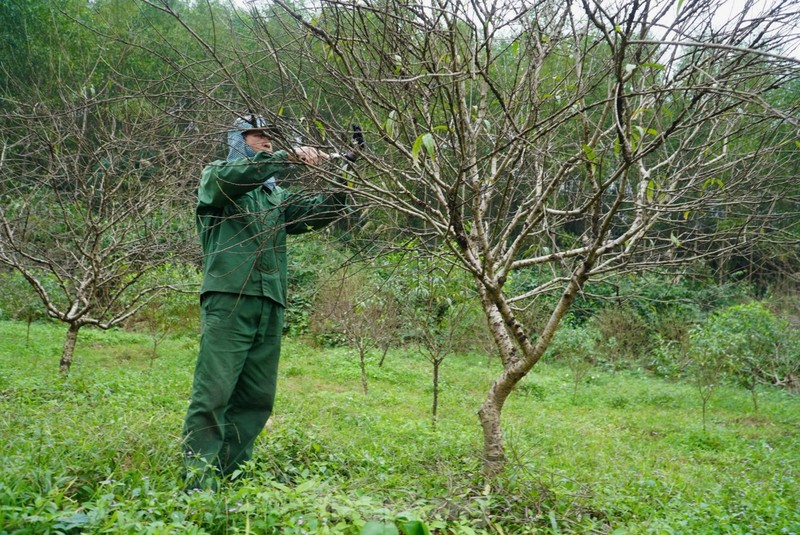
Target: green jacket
x: 243, y: 225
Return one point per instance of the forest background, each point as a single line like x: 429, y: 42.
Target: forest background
x: 582, y: 218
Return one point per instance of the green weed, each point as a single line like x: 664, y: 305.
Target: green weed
x: 98, y: 450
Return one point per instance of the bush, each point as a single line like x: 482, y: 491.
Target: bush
x: 762, y: 348
x: 577, y: 347
x: 19, y: 301
x: 669, y: 358
x: 311, y: 261
x: 623, y: 337
x: 669, y: 348
x: 175, y: 311
x: 709, y: 360
x: 429, y: 294
x: 673, y: 325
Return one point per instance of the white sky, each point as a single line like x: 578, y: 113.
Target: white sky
x: 727, y: 10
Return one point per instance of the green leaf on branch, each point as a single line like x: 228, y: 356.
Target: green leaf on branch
x: 713, y: 181
x: 591, y: 155
x: 390, y: 122
x: 415, y: 148
x: 650, y: 192
x: 426, y: 141
x: 320, y: 128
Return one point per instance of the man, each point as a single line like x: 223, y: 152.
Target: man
x: 243, y: 217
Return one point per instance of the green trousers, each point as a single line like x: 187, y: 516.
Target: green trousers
x: 234, y: 380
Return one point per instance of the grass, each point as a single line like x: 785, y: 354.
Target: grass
x: 98, y: 451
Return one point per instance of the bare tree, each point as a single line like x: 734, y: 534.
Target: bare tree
x: 444, y: 328
x: 563, y: 141
x: 440, y: 312
x: 93, y: 200
x: 591, y: 139
x: 349, y: 304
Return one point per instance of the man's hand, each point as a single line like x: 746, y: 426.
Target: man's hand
x: 308, y: 155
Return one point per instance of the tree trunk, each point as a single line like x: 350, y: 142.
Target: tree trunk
x: 504, y: 325
x: 435, y: 407
x: 363, y: 361
x: 494, y: 457
x: 154, y: 352
x: 705, y: 403
x: 383, y: 356
x: 575, y: 388
x: 69, y: 347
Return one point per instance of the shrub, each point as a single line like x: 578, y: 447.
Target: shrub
x: 745, y: 343
x: 669, y: 351
x: 762, y: 348
x: 669, y: 358
x: 311, y: 261
x: 173, y: 312
x: 577, y: 347
x: 18, y: 301
x: 709, y: 361
x: 353, y: 307
x: 623, y: 337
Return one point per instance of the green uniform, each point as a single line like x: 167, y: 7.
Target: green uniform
x: 243, y: 226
